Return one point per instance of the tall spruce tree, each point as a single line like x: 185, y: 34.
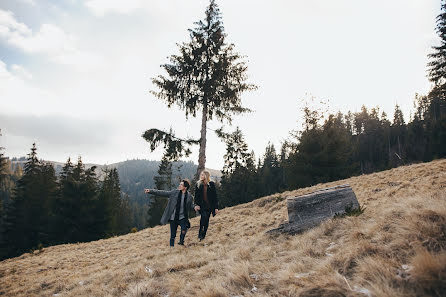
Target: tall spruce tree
x: 237, y: 154
x: 437, y: 64
x: 436, y: 119
x: 398, y: 132
x: 3, y: 163
x: 206, y: 75
x: 238, y: 183
x: 163, y: 181
x: 113, y: 211
x: 3, y: 175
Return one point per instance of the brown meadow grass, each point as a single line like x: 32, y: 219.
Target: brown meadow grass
x: 397, y: 247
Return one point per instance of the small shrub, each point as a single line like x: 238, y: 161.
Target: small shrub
x: 350, y: 211
x: 134, y: 230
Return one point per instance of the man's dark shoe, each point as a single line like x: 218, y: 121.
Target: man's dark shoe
x: 181, y: 243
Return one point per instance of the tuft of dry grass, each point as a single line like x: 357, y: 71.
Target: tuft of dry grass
x: 428, y: 271
x: 397, y: 247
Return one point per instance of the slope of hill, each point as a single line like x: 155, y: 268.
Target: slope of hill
x: 395, y: 248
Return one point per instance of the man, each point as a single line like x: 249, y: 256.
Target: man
x: 176, y: 212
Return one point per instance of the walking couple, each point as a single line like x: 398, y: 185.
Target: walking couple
x: 181, y: 201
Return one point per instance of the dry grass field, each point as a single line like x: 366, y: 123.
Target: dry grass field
x: 397, y: 247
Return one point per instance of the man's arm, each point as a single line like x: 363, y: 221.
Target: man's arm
x: 193, y: 205
x: 157, y: 192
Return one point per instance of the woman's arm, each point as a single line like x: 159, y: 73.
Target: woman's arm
x: 197, y: 196
x: 214, y: 190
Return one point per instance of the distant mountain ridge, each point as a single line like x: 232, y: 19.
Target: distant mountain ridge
x: 215, y: 174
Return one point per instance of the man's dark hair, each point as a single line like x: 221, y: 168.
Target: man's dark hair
x: 186, y: 183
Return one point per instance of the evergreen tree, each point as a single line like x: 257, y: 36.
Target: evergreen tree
x: 238, y: 183
x: 323, y: 153
x: 207, y: 75
x: 270, y: 173
x: 77, y: 204
x: 114, y: 217
x: 163, y: 181
x: 398, y: 132
x: 125, y: 220
x: 236, y: 152
x: 28, y: 215
x: 49, y: 190
x: 3, y: 163
x: 3, y: 175
x: 436, y: 120
x: 437, y: 64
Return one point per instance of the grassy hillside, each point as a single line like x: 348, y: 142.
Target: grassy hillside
x: 395, y: 248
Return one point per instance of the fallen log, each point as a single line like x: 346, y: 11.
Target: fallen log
x: 307, y: 211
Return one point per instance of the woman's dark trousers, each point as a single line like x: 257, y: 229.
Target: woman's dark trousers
x: 204, y: 223
x: 173, y: 230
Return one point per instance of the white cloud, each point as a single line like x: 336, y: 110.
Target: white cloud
x: 19, y: 96
x: 102, y: 7
x: 9, y: 26
x: 50, y: 40
x: 30, y: 2
x: 21, y: 71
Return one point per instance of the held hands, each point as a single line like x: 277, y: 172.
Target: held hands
x: 197, y: 208
x: 147, y: 191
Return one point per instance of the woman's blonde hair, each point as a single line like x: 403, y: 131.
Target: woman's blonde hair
x: 208, y: 177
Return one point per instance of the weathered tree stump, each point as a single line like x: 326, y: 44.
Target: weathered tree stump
x: 307, y: 211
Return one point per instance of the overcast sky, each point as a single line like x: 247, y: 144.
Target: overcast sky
x: 75, y: 74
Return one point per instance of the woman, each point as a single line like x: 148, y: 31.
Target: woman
x: 176, y: 212
x: 206, y: 201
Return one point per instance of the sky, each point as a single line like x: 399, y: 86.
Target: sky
x: 75, y: 75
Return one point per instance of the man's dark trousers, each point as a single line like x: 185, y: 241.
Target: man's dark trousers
x: 173, y: 230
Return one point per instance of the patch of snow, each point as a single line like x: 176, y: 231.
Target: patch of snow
x: 362, y: 290
x: 330, y: 246
x: 254, y: 276
x: 149, y: 270
x: 304, y: 274
x: 404, y: 272
x: 406, y: 267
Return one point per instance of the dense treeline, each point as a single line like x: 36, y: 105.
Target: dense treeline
x: 74, y: 207
x: 335, y: 147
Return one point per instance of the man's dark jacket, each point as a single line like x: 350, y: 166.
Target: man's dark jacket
x: 212, y: 197
x: 172, y: 203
